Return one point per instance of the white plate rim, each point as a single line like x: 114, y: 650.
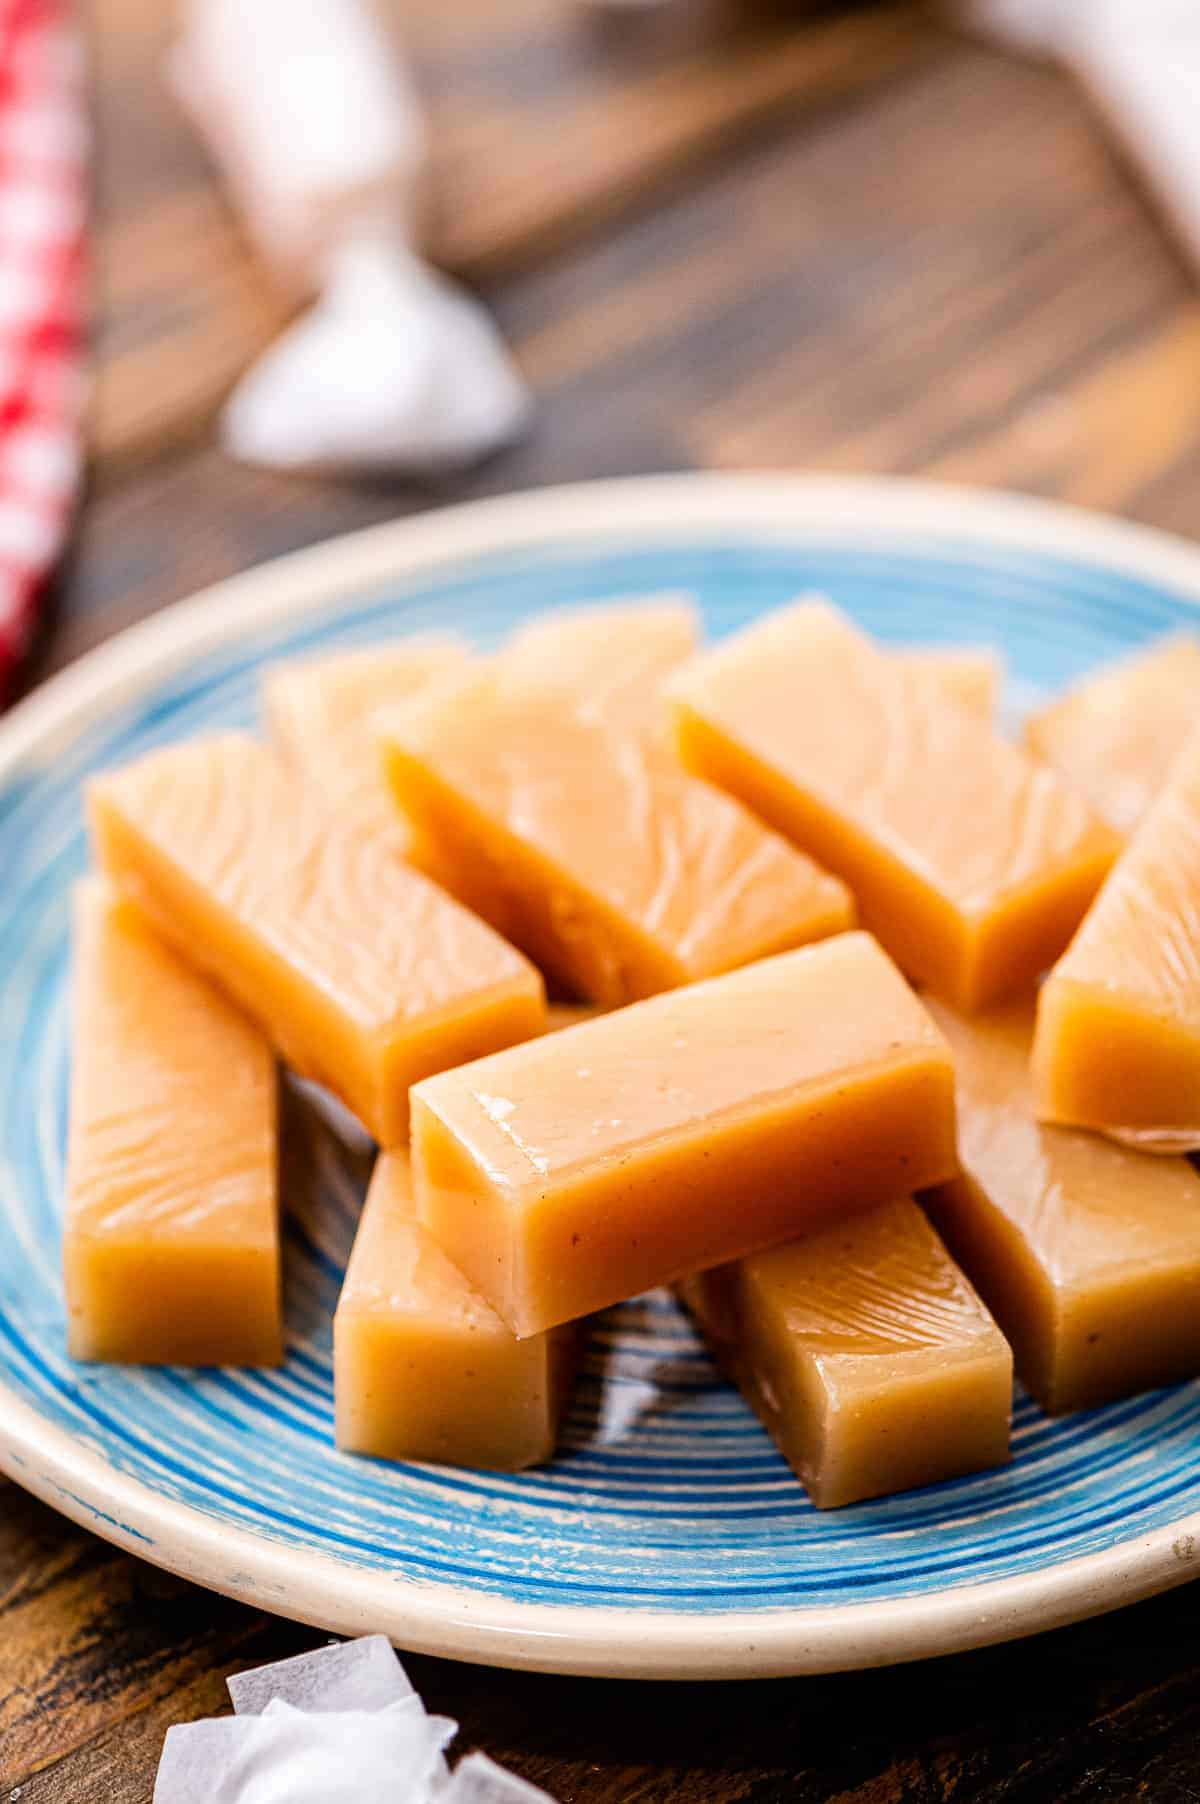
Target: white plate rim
x: 443, y: 1619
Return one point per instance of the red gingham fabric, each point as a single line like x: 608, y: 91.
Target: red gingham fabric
x: 43, y: 150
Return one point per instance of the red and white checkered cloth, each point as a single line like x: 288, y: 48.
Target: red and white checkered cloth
x: 43, y: 150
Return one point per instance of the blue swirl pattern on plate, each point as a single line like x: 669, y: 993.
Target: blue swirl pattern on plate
x: 666, y: 1493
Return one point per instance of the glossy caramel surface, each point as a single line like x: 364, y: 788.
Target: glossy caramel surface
x: 171, y: 1237
x: 1118, y: 1041
x: 971, y: 862
x: 1115, y: 735
x: 423, y: 1367
x: 547, y: 779
x: 1088, y: 1252
x: 700, y: 1125
x: 684, y: 1063
x: 609, y: 660
x: 319, y: 713
x: 361, y: 969
x: 867, y: 1353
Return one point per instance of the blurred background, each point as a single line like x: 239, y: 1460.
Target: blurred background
x: 714, y: 233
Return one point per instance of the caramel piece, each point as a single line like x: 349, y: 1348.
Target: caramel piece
x: 610, y: 660
x: 1118, y: 1028
x: 320, y: 711
x: 171, y: 1239
x: 969, y: 674
x: 580, y: 837
x: 365, y: 975
x: 971, y: 862
x: 628, y: 648
x: 1089, y: 1254
x: 1114, y: 736
x: 699, y: 1126
x: 865, y: 1351
x: 569, y: 1014
x: 623, y: 652
x: 422, y: 1367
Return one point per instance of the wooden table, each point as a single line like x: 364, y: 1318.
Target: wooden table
x: 716, y: 237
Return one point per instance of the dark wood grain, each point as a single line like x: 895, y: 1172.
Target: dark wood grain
x: 825, y: 296
x: 860, y: 244
x: 544, y: 120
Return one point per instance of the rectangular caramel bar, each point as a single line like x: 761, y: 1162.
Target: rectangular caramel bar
x: 694, y: 1128
x: 363, y: 973
x: 1118, y: 1028
x: 1115, y: 735
x: 171, y: 1238
x: 580, y: 837
x: 972, y: 863
x: 1088, y: 1254
x: 611, y: 659
x: 423, y: 1368
x: 320, y: 711
x: 969, y: 674
x: 866, y: 1353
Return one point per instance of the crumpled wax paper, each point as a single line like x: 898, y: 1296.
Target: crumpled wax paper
x: 342, y: 1725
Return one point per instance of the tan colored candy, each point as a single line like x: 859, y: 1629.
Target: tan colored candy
x: 423, y: 1368
x: 171, y: 1237
x: 968, y: 674
x: 1115, y: 735
x: 971, y: 863
x: 866, y: 1353
x: 320, y: 713
x: 365, y: 976
x: 694, y: 1128
x: 1088, y: 1254
x: 1118, y: 1026
x: 545, y: 782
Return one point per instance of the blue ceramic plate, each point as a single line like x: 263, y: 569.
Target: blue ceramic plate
x: 668, y: 1538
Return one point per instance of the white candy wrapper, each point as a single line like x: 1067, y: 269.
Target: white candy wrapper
x: 394, y: 368
x: 1035, y: 27
x: 348, y: 1675
x: 311, y: 116
x: 319, y: 133
x: 342, y: 1725
x: 287, y: 1756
